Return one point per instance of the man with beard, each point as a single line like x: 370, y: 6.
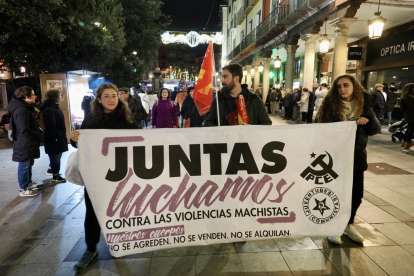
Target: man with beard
x: 231, y: 76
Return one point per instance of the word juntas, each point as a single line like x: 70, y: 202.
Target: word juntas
x: 192, y: 164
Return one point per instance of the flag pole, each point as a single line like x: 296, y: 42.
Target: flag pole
x: 217, y: 91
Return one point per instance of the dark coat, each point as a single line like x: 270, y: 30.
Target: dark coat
x: 113, y: 120
x: 189, y: 110
x: 363, y: 131
x: 409, y: 109
x: 254, y: 105
x: 312, y: 99
x: 25, y: 129
x: 288, y: 100
x: 86, y: 103
x: 379, y: 101
x: 391, y: 101
x: 55, y: 139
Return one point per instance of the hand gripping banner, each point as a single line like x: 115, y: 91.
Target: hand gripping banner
x: 165, y: 188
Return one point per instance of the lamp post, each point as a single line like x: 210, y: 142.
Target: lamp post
x: 376, y: 24
x: 324, y: 42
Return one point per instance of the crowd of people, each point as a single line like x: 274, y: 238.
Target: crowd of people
x: 113, y: 108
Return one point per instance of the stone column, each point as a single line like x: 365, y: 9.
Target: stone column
x: 341, y: 44
x: 266, y: 71
x: 249, y: 76
x: 290, y: 65
x: 256, y: 77
x: 309, y: 64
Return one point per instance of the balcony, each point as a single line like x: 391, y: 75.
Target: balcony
x: 240, y: 16
x: 274, y: 21
x: 249, y: 5
x: 246, y: 43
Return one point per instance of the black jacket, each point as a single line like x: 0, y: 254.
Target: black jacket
x: 363, y: 131
x: 391, y: 101
x: 86, y: 103
x: 379, y: 101
x: 254, y: 105
x: 288, y: 100
x: 189, y: 110
x: 312, y: 99
x: 25, y: 129
x: 113, y: 120
x: 55, y: 139
x: 409, y: 108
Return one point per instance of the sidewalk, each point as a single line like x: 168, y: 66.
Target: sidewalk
x: 44, y: 235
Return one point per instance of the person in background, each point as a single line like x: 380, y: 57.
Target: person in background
x: 55, y: 139
x: 311, y: 108
x: 164, y: 112
x: 282, y: 106
x: 259, y: 91
x: 320, y: 93
x: 273, y: 99
x: 108, y: 112
x: 26, y: 138
x: 379, y: 101
x: 304, y: 105
x: 190, y: 112
x: 391, y: 101
x: 135, y: 105
x: 86, y: 102
x: 347, y: 101
x: 288, y: 104
x: 145, y: 103
x: 153, y: 98
x: 407, y: 107
x: 179, y: 99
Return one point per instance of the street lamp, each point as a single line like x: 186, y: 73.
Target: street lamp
x: 134, y: 53
x: 260, y: 68
x: 376, y: 24
x: 324, y: 42
x: 252, y: 71
x: 245, y: 73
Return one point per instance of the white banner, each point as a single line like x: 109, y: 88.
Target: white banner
x: 164, y: 188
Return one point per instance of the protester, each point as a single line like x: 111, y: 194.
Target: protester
x: 282, y: 106
x: 297, y: 94
x: 379, y: 101
x: 86, y: 102
x: 153, y: 98
x: 311, y: 108
x: 164, y: 112
x: 407, y: 107
x: 108, y: 112
x: 288, y: 104
x: 230, y: 78
x: 145, y: 103
x: 304, y: 104
x: 273, y: 100
x: 259, y: 91
x: 55, y: 139
x: 347, y: 101
x: 179, y: 99
x: 190, y: 112
x: 391, y: 101
x: 320, y: 93
x: 26, y: 138
x: 135, y: 105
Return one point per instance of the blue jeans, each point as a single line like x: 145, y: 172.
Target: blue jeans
x: 55, y: 163
x: 24, y: 173
x: 389, y: 117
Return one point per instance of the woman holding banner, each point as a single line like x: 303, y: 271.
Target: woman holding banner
x: 108, y: 112
x: 347, y: 101
x: 164, y: 112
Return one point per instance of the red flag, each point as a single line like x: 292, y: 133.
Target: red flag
x: 203, y: 92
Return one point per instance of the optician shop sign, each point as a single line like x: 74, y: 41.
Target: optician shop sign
x: 391, y: 49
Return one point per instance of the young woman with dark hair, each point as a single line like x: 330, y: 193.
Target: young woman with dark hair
x: 55, y: 139
x: 108, y: 112
x: 164, y: 112
x: 347, y: 101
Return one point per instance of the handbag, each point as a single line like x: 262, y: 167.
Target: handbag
x: 72, y: 173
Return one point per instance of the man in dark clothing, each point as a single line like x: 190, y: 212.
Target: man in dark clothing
x: 231, y: 76
x: 26, y: 138
x: 379, y: 101
x: 86, y: 102
x: 134, y: 104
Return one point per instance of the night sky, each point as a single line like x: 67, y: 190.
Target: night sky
x: 192, y: 15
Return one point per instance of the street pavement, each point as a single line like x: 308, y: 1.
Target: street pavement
x: 44, y: 235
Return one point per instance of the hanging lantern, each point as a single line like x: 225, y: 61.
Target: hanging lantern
x: 245, y: 73
x: 376, y: 25
x: 252, y: 71
x: 260, y: 67
x: 324, y: 44
x: 278, y: 62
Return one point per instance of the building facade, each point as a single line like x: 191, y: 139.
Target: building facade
x: 259, y: 32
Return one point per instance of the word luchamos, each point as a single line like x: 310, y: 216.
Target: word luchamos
x: 192, y: 163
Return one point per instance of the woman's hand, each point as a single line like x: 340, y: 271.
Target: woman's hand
x: 362, y: 121
x: 74, y: 136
